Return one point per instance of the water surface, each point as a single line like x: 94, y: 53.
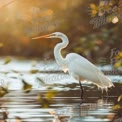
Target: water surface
x: 54, y: 97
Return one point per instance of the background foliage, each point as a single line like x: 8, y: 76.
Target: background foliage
x: 21, y: 20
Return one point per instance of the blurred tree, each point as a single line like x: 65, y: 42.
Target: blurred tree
x: 22, y: 20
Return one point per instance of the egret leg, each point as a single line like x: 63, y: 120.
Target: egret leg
x: 81, y: 92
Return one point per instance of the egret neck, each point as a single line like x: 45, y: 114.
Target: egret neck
x: 57, y: 52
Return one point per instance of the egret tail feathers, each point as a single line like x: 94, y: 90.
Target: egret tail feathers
x: 103, y: 81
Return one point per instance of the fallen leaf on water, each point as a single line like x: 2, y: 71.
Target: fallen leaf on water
x: 46, y: 99
x: 15, y: 71
x: 34, y: 71
x: 3, y: 91
x: 43, y: 101
x: 27, y: 87
x: 116, y: 107
x: 49, y: 95
x: 40, y: 81
x: 7, y: 60
x: 5, y: 72
x: 119, y: 98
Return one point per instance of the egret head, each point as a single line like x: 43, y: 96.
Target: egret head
x: 52, y: 35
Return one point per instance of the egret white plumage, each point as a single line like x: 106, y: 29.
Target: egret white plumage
x: 77, y: 66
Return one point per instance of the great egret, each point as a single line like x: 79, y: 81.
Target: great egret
x: 77, y: 66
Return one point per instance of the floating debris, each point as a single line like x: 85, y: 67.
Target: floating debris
x: 119, y: 98
x: 27, y: 87
x: 3, y: 91
x: 34, y: 71
x: 7, y: 60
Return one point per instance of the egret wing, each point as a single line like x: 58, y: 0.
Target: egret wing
x: 80, y: 68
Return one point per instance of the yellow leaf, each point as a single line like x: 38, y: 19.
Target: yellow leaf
x: 94, y: 10
x: 119, y: 55
x: 50, y: 95
x: 7, y: 60
x: 3, y: 91
x: 118, y: 64
x: 119, y: 98
x: 34, y: 71
x: 93, y: 6
x: 27, y: 87
x: 116, y: 107
x: 45, y: 105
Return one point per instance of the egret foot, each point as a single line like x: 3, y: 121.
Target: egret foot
x: 81, y: 92
x: 81, y: 101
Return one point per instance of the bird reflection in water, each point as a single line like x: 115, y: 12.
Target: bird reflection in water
x: 100, y: 111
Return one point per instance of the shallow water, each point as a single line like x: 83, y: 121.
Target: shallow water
x: 64, y: 106
x: 54, y: 96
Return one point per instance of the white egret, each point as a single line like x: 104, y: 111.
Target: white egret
x: 77, y: 66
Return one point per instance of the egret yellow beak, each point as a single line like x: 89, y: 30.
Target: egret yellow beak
x: 45, y: 36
